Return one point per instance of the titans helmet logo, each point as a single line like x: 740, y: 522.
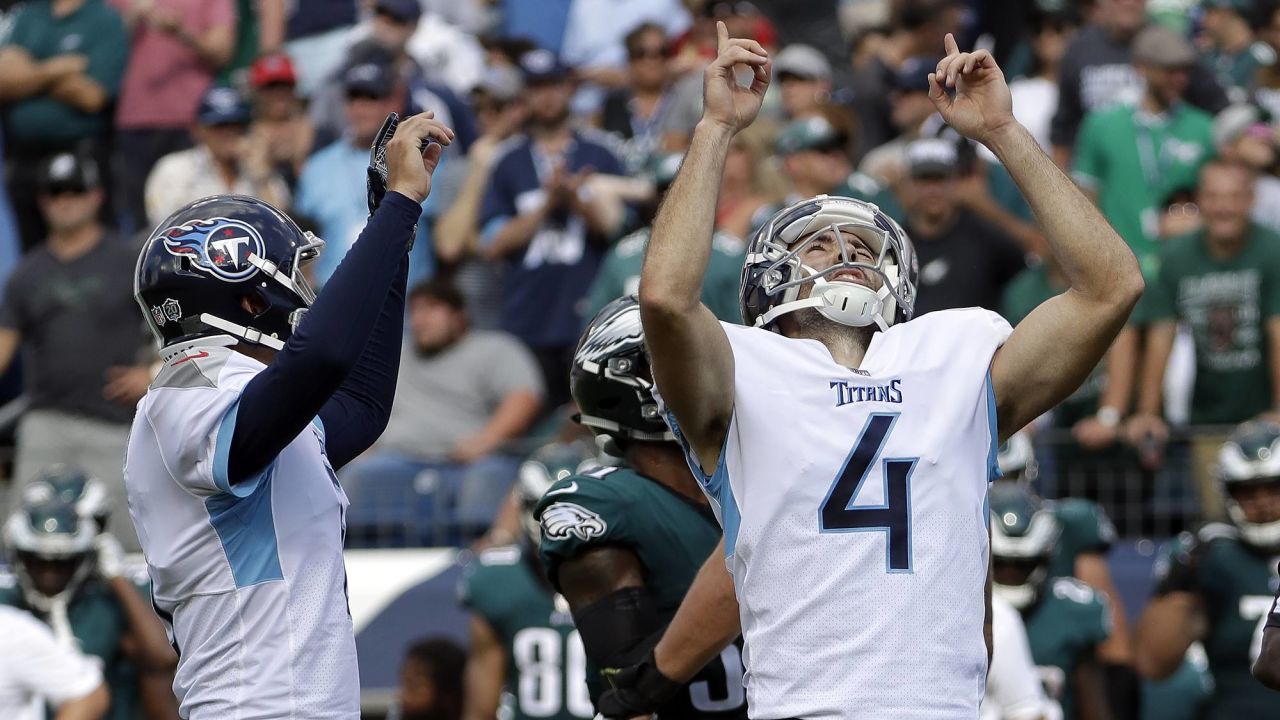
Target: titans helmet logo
x: 218, y: 246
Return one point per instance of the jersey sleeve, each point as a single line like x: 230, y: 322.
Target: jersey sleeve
x: 1091, y: 618
x: 485, y: 582
x: 36, y: 662
x: 577, y: 514
x: 1013, y: 686
x: 193, y: 427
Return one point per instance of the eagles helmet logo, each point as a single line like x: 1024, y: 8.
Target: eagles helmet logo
x: 562, y: 520
x: 218, y: 246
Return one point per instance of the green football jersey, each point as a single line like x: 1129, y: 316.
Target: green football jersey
x: 1085, y: 529
x: 1183, y: 695
x: 620, y: 274
x: 546, y: 665
x: 1238, y: 585
x: 1065, y: 626
x: 671, y: 535
x: 98, y: 622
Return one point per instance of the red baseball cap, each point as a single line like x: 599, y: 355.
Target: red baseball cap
x: 272, y: 70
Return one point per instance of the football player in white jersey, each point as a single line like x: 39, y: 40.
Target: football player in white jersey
x: 264, y: 390
x: 846, y: 446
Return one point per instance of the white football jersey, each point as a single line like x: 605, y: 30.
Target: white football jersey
x: 248, y: 578
x: 854, y: 511
x: 1014, y: 691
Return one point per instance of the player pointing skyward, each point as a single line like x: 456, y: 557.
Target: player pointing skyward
x: 846, y: 446
x: 230, y: 468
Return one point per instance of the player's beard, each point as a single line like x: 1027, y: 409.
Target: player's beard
x: 809, y: 323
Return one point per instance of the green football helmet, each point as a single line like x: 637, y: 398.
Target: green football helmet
x: 70, y: 484
x: 1023, y: 536
x: 1249, y: 462
x: 50, y: 546
x: 1017, y: 458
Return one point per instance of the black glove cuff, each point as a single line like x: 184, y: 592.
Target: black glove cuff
x: 651, y: 683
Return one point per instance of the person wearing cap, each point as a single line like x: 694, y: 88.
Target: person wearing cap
x: 910, y: 108
x: 542, y: 225
x: 1234, y: 53
x: 620, y: 272
x: 224, y: 160
x: 804, y: 78
x: 1129, y: 157
x: 280, y: 120
x: 331, y: 186
x: 815, y: 159
x: 1099, y: 69
x: 84, y: 370
x: 60, y: 70
x: 175, y: 49
x: 1241, y: 135
x: 964, y: 260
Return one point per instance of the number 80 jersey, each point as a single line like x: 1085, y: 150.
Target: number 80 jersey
x: 854, y: 510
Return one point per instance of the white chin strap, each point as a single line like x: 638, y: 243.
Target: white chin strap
x: 1261, y: 535
x: 841, y: 302
x: 240, y: 331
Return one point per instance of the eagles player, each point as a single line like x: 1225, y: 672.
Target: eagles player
x: 264, y: 390
x: 624, y: 543
x: 844, y: 443
x: 1085, y: 536
x: 68, y: 573
x: 523, y: 640
x: 1267, y: 667
x: 1066, y: 620
x: 1218, y: 585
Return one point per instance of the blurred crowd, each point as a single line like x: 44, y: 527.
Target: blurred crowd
x: 571, y: 117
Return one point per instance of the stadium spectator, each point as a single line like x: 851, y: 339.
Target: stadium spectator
x: 280, y: 122
x: 331, y: 187
x: 316, y: 35
x: 1130, y: 157
x: 1233, y: 53
x: 1224, y: 282
x: 496, y: 101
x: 462, y: 397
x: 442, y: 45
x: 35, y: 668
x: 259, y: 32
x: 620, y: 272
x: 638, y: 112
x: 549, y: 234
x: 1240, y: 135
x: 226, y: 159
x: 177, y: 46
x: 85, y: 368
x: 964, y: 261
x: 69, y: 573
x: 1035, y: 96
x: 541, y: 23
x: 60, y: 70
x: 910, y: 107
x: 804, y: 79
x: 431, y: 681
x: 1096, y: 71
x: 594, y: 40
x: 743, y: 188
x: 815, y: 159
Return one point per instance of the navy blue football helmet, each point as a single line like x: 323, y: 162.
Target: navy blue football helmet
x: 773, y: 273
x: 225, y: 265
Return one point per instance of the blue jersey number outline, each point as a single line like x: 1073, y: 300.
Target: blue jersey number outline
x: 893, y: 518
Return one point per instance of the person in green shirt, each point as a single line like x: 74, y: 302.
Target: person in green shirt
x: 69, y: 574
x: 1223, y: 281
x: 1234, y: 54
x: 1130, y: 157
x: 619, y: 273
x: 1218, y: 584
x: 524, y: 646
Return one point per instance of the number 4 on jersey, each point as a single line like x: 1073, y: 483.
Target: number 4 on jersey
x: 894, y: 516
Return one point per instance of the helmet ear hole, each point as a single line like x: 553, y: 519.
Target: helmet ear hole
x: 254, y: 303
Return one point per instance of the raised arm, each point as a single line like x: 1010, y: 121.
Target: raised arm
x: 1059, y: 343
x: 1267, y: 667
x: 691, y: 357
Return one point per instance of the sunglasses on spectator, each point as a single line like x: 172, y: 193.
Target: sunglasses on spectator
x: 364, y: 95
x: 63, y: 190
x: 386, y: 15
x: 648, y: 53
x: 488, y: 106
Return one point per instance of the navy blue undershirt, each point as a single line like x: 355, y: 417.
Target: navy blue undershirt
x: 342, y: 361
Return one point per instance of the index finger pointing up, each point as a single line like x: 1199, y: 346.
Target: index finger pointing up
x: 722, y: 36
x: 949, y: 43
